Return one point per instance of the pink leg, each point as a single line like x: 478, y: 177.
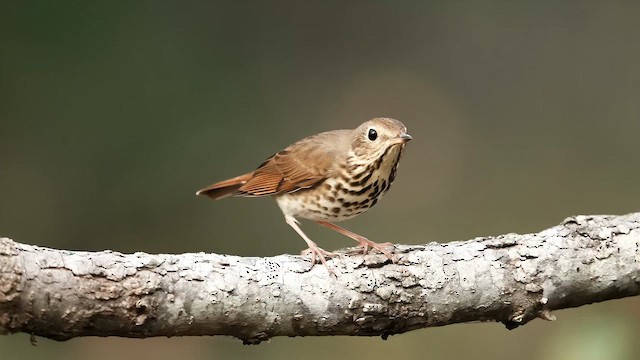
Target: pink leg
x: 364, y: 242
x: 313, y: 249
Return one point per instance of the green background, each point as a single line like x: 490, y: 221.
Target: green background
x: 523, y: 113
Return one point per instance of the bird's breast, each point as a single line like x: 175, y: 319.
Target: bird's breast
x: 349, y: 192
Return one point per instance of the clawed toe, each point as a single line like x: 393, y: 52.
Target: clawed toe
x: 318, y: 253
x: 366, y: 243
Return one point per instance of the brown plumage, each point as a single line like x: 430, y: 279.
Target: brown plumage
x: 332, y: 176
x: 300, y: 165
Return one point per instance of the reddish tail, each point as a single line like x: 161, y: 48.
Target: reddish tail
x: 225, y: 188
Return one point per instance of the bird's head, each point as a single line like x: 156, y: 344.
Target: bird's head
x: 373, y: 138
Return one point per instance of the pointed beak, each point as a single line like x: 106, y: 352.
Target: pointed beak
x: 403, y: 138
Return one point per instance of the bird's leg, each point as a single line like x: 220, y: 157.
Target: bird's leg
x: 313, y: 249
x: 364, y: 242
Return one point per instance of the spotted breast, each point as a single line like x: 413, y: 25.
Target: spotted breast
x: 355, y: 187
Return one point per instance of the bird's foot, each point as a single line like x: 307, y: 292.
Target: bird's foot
x: 318, y: 253
x: 363, y: 241
x: 366, y: 243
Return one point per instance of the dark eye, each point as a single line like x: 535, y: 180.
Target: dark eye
x: 373, y: 134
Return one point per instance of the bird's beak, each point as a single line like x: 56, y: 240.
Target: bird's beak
x: 403, y: 138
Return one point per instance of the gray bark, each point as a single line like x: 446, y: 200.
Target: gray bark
x: 510, y: 278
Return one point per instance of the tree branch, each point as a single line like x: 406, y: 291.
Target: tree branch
x: 509, y: 278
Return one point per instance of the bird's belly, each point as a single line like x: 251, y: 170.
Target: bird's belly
x: 334, y: 200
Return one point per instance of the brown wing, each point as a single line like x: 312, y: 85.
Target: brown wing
x: 299, y: 166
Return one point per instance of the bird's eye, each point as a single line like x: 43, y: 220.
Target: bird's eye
x: 373, y: 134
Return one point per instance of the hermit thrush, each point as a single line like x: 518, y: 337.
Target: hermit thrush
x: 332, y: 176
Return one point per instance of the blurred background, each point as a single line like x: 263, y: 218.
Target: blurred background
x: 112, y: 114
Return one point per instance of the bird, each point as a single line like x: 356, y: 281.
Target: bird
x: 326, y: 178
